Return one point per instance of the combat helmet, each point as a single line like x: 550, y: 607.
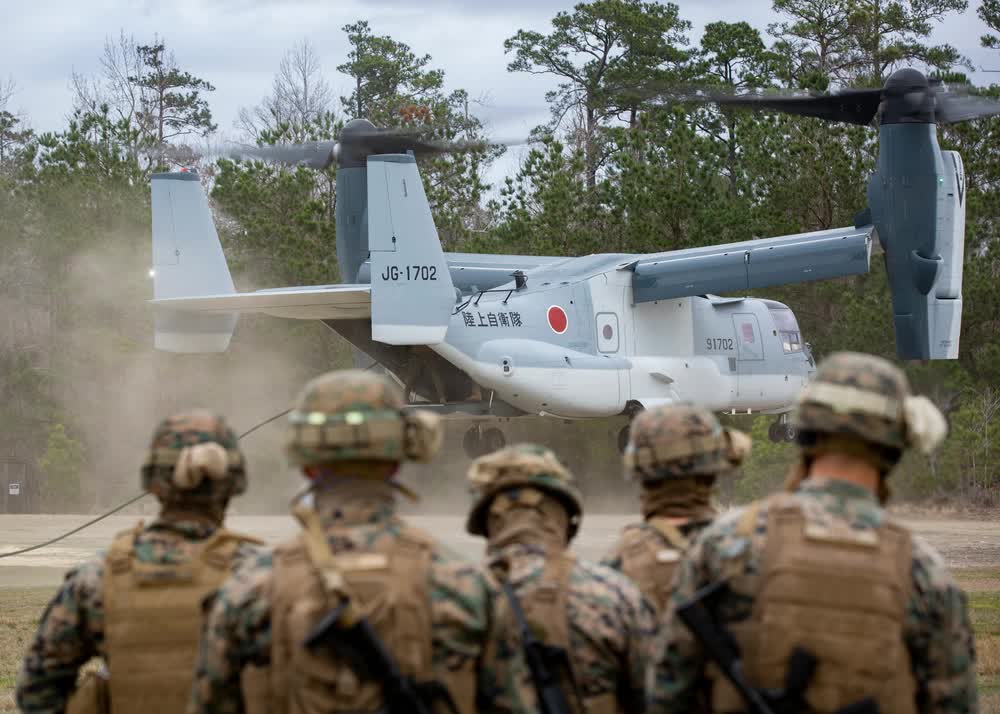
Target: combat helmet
x: 863, y: 403
x: 194, y: 457
x: 519, y: 466
x: 356, y: 415
x: 681, y: 441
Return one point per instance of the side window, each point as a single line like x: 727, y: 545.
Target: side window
x: 748, y: 336
x: 607, y: 332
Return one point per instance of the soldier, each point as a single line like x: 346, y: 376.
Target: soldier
x: 529, y: 509
x: 824, y: 570
x: 316, y: 610
x: 139, y: 606
x: 676, y: 452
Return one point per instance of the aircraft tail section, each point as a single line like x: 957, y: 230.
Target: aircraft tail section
x: 412, y: 295
x: 187, y: 262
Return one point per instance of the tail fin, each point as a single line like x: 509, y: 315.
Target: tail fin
x: 412, y: 293
x: 187, y: 262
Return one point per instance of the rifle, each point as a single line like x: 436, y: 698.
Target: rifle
x: 697, y: 616
x: 367, y: 655
x: 544, y: 662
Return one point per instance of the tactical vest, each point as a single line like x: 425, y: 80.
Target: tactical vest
x: 152, y: 620
x: 390, y: 585
x: 546, y: 608
x: 650, y: 559
x: 841, y: 594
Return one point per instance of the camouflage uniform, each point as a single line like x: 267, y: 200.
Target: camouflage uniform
x: 676, y: 452
x: 347, y: 432
x: 72, y: 629
x: 825, y: 568
x: 529, y: 509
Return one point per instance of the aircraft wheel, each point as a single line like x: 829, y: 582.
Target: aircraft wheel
x: 493, y: 440
x: 775, y: 432
x: 472, y: 443
x: 623, y: 439
x: 789, y: 432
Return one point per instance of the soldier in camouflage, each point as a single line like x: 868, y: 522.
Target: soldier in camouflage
x: 824, y: 568
x: 430, y: 608
x: 676, y: 453
x: 138, y: 606
x: 528, y: 508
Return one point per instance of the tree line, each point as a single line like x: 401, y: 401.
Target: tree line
x: 622, y: 165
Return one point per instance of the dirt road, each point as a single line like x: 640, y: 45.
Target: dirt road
x: 964, y: 543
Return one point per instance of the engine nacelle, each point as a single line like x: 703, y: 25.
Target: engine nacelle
x: 917, y: 199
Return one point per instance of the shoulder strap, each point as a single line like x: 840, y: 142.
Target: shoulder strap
x: 670, y: 532
x: 119, y: 557
x: 748, y: 518
x: 220, y: 548
x: 320, y: 554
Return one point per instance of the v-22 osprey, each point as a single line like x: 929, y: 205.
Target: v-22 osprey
x: 486, y: 336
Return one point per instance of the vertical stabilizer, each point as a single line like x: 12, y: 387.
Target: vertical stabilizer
x: 187, y: 262
x: 412, y: 293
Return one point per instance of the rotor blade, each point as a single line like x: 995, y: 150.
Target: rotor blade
x: 400, y: 141
x: 854, y: 106
x: 312, y: 154
x: 952, y: 108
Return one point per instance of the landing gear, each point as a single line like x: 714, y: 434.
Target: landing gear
x: 479, y: 442
x: 782, y: 430
x: 631, y: 410
x: 623, y: 438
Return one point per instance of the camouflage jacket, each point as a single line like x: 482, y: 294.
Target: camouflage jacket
x: 237, y: 629
x: 937, y: 631
x: 71, y: 630
x: 610, y: 631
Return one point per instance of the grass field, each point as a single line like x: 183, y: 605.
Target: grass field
x: 20, y: 609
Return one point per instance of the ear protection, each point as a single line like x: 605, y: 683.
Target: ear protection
x: 422, y: 435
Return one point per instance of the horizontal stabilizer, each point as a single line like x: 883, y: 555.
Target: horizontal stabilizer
x: 738, y: 267
x: 333, y: 302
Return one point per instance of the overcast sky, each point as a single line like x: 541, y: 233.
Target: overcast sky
x: 237, y: 45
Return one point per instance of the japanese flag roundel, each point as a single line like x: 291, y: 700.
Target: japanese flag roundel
x: 557, y: 319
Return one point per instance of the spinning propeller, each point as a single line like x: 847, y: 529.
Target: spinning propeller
x: 907, y: 97
x: 358, y: 140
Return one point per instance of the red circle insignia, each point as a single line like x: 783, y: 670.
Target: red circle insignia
x: 557, y: 319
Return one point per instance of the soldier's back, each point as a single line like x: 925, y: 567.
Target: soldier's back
x: 600, y: 618
x: 828, y: 570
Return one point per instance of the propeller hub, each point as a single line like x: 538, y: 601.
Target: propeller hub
x: 907, y: 98
x: 352, y: 150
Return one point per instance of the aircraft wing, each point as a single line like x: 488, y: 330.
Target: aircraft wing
x: 328, y: 302
x: 737, y: 267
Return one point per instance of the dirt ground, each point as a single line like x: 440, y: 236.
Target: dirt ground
x: 970, y: 547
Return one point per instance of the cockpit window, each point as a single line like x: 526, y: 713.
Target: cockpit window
x: 788, y: 330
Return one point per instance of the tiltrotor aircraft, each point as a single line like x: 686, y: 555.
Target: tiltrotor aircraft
x: 597, y: 335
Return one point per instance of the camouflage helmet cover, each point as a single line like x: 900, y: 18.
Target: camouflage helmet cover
x: 866, y: 398
x: 194, y: 455
x: 356, y: 415
x: 680, y: 441
x: 520, y: 466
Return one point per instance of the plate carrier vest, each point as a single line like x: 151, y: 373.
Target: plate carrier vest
x: 838, y: 592
x: 390, y: 586
x: 650, y: 559
x: 152, y: 620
